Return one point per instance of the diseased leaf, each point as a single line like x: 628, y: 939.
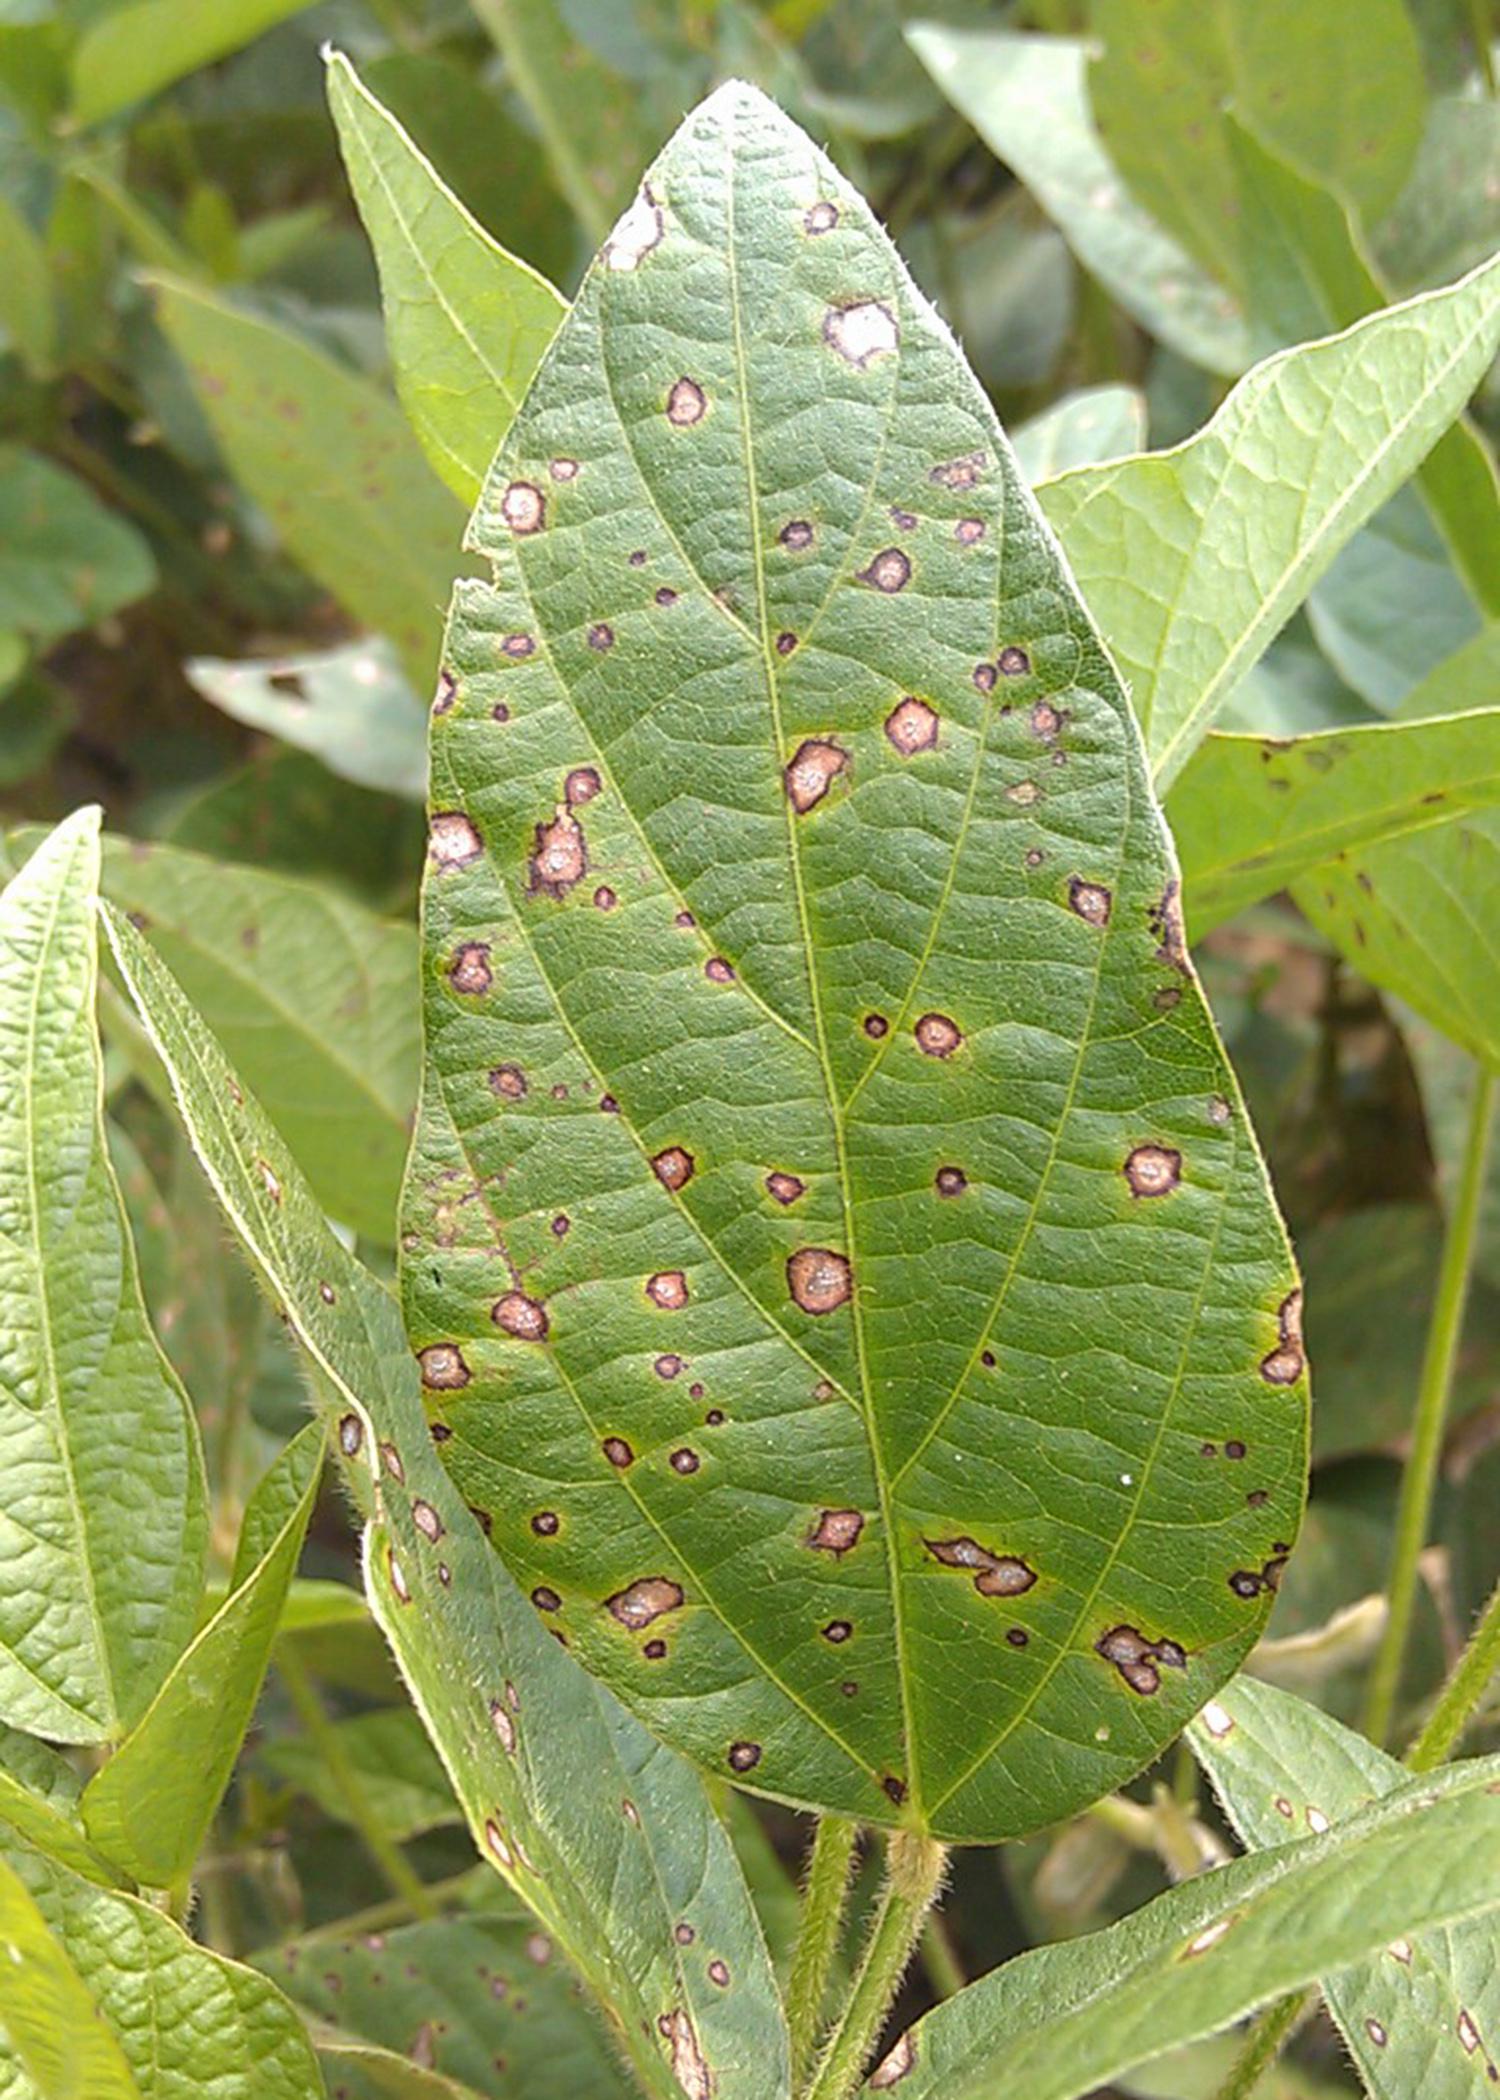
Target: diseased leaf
x: 1191, y: 559
x: 149, y: 1808
x: 48, y: 2026
x: 184, y: 2020
x: 1424, y: 2015
x: 64, y: 559
x: 350, y: 706
x: 332, y: 462
x: 134, y: 51
x: 1095, y: 423
x: 400, y: 1775
x: 1250, y: 814
x: 805, y: 995
x: 607, y: 1837
x: 102, y: 1518
x: 1027, y: 97
x: 466, y: 322
x: 1066, y: 2019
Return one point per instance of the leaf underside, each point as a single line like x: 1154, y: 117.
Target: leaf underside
x: 833, y: 1239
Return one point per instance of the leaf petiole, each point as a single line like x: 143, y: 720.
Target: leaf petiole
x: 914, y: 1873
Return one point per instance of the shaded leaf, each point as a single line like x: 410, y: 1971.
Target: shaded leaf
x: 1095, y: 423
x: 350, y: 706
x: 26, y: 313
x: 48, y: 2024
x: 607, y: 1837
x: 150, y: 1807
x: 736, y: 1263
x: 1424, y: 2015
x: 64, y: 559
x: 466, y: 322
x: 1191, y: 560
x: 135, y: 51
x: 1447, y: 218
x: 1393, y: 608
x: 332, y: 462
x: 1027, y: 97
x: 399, y: 1772
x: 102, y: 1512
x: 1062, y: 2020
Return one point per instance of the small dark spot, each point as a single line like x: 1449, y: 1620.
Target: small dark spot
x: 744, y: 1757
x: 1013, y: 662
x: 608, y: 1105
x: 995, y: 1574
x: 637, y: 559
x: 518, y: 647
x: 876, y: 1026
x: 1234, y: 1448
x: 1153, y: 1170
x: 848, y: 1687
x: 524, y: 1318
x: 821, y: 217
x: 443, y: 1367
x: 687, y: 404
x: 500, y: 712
x: 836, y: 1531
x: 684, y: 1461
x: 685, y: 919
x: 811, y: 771
x: 797, y: 534
x: 605, y: 898
x: 718, y: 971
x: 560, y: 1092
x: 668, y: 1289
x: 1246, y: 1583
x: 562, y: 1225
x: 674, y: 1168
x: 563, y: 469
x: 483, y: 1518
x: 654, y: 1650
x: 819, y: 1280
x: 1166, y: 923
x: 785, y: 643
x: 718, y: 1972
x: 889, y: 571
x: 937, y: 1036
x: 893, y: 1788
x: 351, y: 1435
x: 1017, y: 1636
x: 1257, y: 1498
x: 601, y: 636
x: 684, y: 1935
x: 618, y: 1452
x: 1045, y: 721
x: 666, y: 595
x: 545, y: 1599
x: 988, y: 1358
x: 645, y: 1601
x: 969, y: 531
x: 327, y: 1293
x: 668, y: 1367
x: 469, y: 969
x: 446, y: 694
x: 524, y: 507
x: 912, y: 726
x: 785, y: 1188
x: 984, y: 677
x: 903, y: 520
x: 559, y: 859
x: 715, y: 1416
x: 950, y: 1181
x: 1165, y: 998
x: 837, y: 1630
x: 1090, y: 900
x: 545, y: 1524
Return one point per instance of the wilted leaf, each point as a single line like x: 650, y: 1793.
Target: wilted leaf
x: 101, y: 1479
x: 467, y: 323
x: 823, y: 1133
x: 130, y: 52
x: 351, y: 706
x: 1424, y: 2015
x: 1080, y: 430
x: 64, y: 559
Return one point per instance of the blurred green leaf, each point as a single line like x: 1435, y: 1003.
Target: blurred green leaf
x: 135, y: 51
x: 26, y: 313
x: 1081, y: 430
x: 1447, y: 218
x: 351, y: 706
x: 101, y: 1478
x: 1393, y: 607
x: 36, y: 714
x: 47, y: 2013
x: 1191, y: 560
x: 149, y: 1808
x: 64, y: 559
x: 332, y: 462
x: 399, y: 1772
x: 467, y: 323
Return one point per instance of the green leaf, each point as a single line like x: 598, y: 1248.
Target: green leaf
x: 1065, y: 2019
x: 350, y: 706
x: 467, y: 323
x: 135, y: 51
x: 1447, y: 218
x: 1393, y: 606
x: 486, y: 2001
x: 26, y: 312
x: 399, y: 1772
x: 1424, y: 2015
x: 1082, y: 429
x: 184, y: 2020
x: 47, y: 2015
x: 333, y: 463
x: 1027, y: 97
x: 101, y: 1479
x: 1191, y: 559
x: 835, y: 1220
x: 65, y: 561
x: 51, y: 1826
x: 607, y: 1837
x: 150, y: 1807
x: 1250, y: 814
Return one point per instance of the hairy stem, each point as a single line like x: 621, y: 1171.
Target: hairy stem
x: 1466, y: 1686
x: 823, y: 1900
x: 1263, y: 2044
x: 914, y: 1871
x: 1420, y: 1478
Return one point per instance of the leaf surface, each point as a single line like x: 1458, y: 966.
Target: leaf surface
x: 48, y: 2025
x: 1424, y: 2015
x: 1191, y: 560
x: 1082, y: 429
x: 130, y: 52
x: 832, y: 1242
x: 351, y: 706
x: 399, y: 1772
x: 64, y: 559
x: 102, y: 1518
x: 467, y: 323
x: 607, y: 1837
x: 1068, y: 2018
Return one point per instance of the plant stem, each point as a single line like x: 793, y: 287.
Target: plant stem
x: 914, y: 1870
x: 378, y: 1842
x: 1263, y: 2044
x: 823, y: 1899
x: 945, y: 1972
x: 1466, y: 1686
x: 1420, y: 1478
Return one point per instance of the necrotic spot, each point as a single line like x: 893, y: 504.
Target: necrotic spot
x: 601, y: 636
x: 508, y: 1080
x: 785, y: 1188
x: 686, y: 404
x: 351, y: 1435
x: 718, y: 971
x: 524, y: 507
x: 668, y: 1367
x: 969, y: 531
x: 452, y: 841
x: 812, y: 769
x: 563, y: 469
x: 559, y: 859
x: 888, y: 571
x: 674, y: 1168
x: 522, y: 1317
x: 636, y: 233
x: 1091, y: 900
x: 821, y: 217
x: 605, y: 898
x: 545, y: 1599
x: 668, y: 1289
x: 797, y: 534
x: 666, y: 595
x: 836, y: 1531
x: 1013, y: 662
x: 744, y: 1757
x: 618, y: 1452
x: 912, y: 726
x: 443, y: 1367
x: 959, y: 473
x: 645, y: 1601
x: 984, y: 677
x: 820, y: 1281
x: 876, y: 1026
x: 469, y: 969
x: 518, y: 647
x: 937, y: 1036
x: 837, y: 1630
x: 684, y: 1461
x: 1153, y: 1170
x: 950, y: 1181
x: 862, y: 332
x: 545, y: 1523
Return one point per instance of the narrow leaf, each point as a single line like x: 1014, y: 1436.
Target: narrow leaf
x: 150, y: 1807
x: 1066, y: 2019
x: 49, y: 2027
x: 1250, y: 814
x: 102, y: 1515
x: 467, y: 322
x: 1191, y: 560
x: 609, y: 1839
x: 1424, y: 2015
x: 131, y: 52
x: 822, y: 1129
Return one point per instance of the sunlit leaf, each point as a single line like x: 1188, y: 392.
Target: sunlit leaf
x: 350, y: 706
x: 130, y: 52
x: 48, y: 2025
x: 1081, y: 430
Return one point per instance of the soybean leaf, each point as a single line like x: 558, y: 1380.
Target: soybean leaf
x: 102, y: 1505
x: 1027, y: 97
x: 149, y: 1808
x: 331, y: 460
x: 1448, y: 216
x: 135, y: 51
x: 26, y: 310
x: 184, y: 2020
x: 466, y: 322
x: 1095, y: 423
x: 64, y: 559
x: 482, y: 2000
x: 1065, y: 2019
x: 351, y: 706
x: 50, y: 1824
x: 1424, y: 2015
x: 1337, y: 91
x: 49, y: 2027
x: 399, y: 1772
x: 795, y: 886
x: 1393, y: 607
x: 607, y: 1837
x: 1191, y: 559
x: 1250, y: 813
